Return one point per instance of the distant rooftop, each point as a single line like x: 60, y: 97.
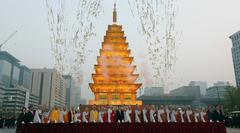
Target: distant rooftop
x: 6, y: 55
x: 25, y: 68
x: 235, y: 34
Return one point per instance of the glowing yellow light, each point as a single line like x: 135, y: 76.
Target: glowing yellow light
x: 114, y: 80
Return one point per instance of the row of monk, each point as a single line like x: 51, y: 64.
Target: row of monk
x: 122, y: 114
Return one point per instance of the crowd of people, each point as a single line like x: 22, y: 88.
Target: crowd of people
x: 121, y: 114
x: 8, y: 122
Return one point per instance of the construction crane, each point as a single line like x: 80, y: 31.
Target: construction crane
x: 4, y: 42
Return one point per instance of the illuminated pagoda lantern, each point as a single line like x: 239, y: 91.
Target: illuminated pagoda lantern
x: 114, y: 81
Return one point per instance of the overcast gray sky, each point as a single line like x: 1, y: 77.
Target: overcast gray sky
x: 204, y: 53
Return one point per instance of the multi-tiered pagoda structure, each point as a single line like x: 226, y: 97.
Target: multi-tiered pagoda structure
x: 114, y: 81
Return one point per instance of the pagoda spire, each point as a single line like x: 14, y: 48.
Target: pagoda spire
x: 114, y: 14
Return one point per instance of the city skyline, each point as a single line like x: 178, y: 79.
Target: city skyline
x: 205, y: 36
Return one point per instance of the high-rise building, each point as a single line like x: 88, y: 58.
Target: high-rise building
x: 236, y: 55
x: 201, y: 84
x: 218, y: 90
x: 221, y: 83
x: 9, y: 69
x: 2, y: 92
x: 153, y: 91
x: 49, y: 86
x: 69, y: 86
x: 189, y: 91
x: 25, y: 77
x: 14, y: 84
x: 114, y: 81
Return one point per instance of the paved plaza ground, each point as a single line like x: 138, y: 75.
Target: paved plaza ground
x: 229, y: 130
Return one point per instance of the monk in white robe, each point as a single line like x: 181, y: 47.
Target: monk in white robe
x: 85, y: 116
x: 109, y: 112
x: 36, y: 118
x: 145, y: 115
x: 100, y: 115
x: 152, y: 113
x: 137, y: 113
x: 127, y: 117
x: 168, y: 113
x: 159, y: 113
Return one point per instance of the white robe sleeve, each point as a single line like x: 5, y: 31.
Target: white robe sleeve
x: 144, y: 116
x: 152, y: 119
x: 159, y: 116
x: 202, y: 116
x: 168, y: 113
x: 36, y: 118
x: 109, y: 115
x: 189, y: 120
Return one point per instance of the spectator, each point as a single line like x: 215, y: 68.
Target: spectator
x: 218, y: 115
x: 29, y: 115
x: 1, y: 122
x: 21, y: 117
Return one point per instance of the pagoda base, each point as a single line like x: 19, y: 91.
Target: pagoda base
x: 114, y: 102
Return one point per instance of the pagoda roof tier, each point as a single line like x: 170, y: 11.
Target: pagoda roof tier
x: 113, y: 70
x: 111, y: 38
x: 114, y: 40
x: 114, y: 60
x: 115, y: 27
x: 114, y: 33
x: 113, y: 79
x: 106, y: 88
x: 118, y: 46
x: 117, y: 53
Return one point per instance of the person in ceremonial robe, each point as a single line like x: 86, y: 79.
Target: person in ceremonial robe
x: 72, y: 114
x: 145, y: 119
x: 94, y: 115
x: 109, y: 112
x: 203, y: 116
x: 182, y: 115
x: 100, y: 114
x: 152, y: 113
x: 105, y: 115
x: 167, y: 111
x: 172, y: 115
x: 188, y: 113
x: 127, y: 117
x: 113, y: 115
x: 196, y: 116
x: 45, y: 116
x: 85, y: 115
x: 137, y: 113
x: 132, y: 114
x: 77, y: 118
x: 161, y: 115
x: 65, y: 115
x: 185, y: 118
x: 54, y: 115
x: 178, y: 116
x: 37, y: 115
x: 61, y: 119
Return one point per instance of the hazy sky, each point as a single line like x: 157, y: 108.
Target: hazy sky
x: 204, y: 53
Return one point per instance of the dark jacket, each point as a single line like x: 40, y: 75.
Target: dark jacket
x: 29, y: 117
x: 21, y: 118
x: 218, y: 116
x: 120, y: 115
